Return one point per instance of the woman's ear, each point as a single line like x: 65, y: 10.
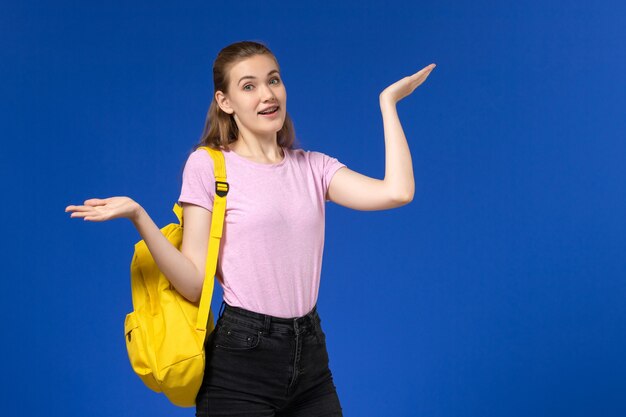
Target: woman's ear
x: 223, y: 102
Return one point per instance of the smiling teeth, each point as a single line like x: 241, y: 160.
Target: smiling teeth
x: 272, y: 110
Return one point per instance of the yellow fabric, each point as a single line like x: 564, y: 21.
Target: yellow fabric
x: 165, y: 333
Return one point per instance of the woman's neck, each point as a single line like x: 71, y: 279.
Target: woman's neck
x: 264, y: 151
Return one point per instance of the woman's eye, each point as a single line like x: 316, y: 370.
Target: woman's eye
x: 245, y: 87
x: 274, y: 79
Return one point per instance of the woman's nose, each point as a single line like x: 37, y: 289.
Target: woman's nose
x: 267, y: 94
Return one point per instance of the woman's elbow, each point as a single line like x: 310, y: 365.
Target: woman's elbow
x: 193, y: 297
x: 401, y: 199
x: 196, y: 293
x: 193, y: 292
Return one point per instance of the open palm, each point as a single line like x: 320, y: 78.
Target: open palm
x: 402, y: 88
x: 96, y: 209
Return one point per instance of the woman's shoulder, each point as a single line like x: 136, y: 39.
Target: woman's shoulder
x: 198, y: 161
x: 200, y: 155
x: 314, y: 158
x: 306, y: 155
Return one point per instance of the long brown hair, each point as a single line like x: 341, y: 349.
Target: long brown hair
x: 220, y: 128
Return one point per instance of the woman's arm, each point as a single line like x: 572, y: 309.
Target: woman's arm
x: 185, y: 269
x: 360, y: 192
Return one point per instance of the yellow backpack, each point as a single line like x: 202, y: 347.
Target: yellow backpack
x: 165, y: 333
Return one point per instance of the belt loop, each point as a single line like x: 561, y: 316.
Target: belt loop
x: 221, y: 309
x: 266, y: 325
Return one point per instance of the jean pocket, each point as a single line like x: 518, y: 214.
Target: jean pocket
x: 233, y: 337
x: 321, y: 336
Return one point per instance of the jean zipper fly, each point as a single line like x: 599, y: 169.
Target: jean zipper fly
x: 296, y: 358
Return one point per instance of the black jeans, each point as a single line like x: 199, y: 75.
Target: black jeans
x: 259, y: 365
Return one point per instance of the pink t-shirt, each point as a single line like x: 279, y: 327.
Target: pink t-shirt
x: 270, y: 256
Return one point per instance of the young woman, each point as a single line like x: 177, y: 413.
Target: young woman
x: 267, y: 355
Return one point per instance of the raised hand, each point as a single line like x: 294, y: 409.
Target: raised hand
x: 98, y: 210
x: 402, y: 88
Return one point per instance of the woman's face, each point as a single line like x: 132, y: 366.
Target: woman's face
x: 255, y: 87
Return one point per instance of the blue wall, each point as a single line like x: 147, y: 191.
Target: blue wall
x: 499, y: 291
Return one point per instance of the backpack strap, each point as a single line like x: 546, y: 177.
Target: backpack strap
x: 217, y: 224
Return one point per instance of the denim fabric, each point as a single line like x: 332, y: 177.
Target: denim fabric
x: 259, y: 365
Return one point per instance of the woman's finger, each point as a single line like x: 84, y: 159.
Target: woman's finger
x: 92, y: 202
x: 82, y: 208
x: 423, y: 72
x: 87, y: 215
x: 79, y: 214
x: 427, y: 68
x: 95, y: 202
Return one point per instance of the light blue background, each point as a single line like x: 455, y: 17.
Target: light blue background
x: 499, y: 291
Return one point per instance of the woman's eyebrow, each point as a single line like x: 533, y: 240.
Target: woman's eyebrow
x: 253, y: 77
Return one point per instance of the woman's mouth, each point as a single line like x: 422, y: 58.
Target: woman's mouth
x: 270, y: 112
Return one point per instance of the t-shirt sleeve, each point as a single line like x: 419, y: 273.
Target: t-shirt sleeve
x: 328, y: 165
x: 198, y: 186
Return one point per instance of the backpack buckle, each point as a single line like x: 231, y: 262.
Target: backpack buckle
x: 221, y: 188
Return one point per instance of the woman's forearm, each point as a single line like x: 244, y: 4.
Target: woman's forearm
x: 176, y: 267
x: 398, y: 165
